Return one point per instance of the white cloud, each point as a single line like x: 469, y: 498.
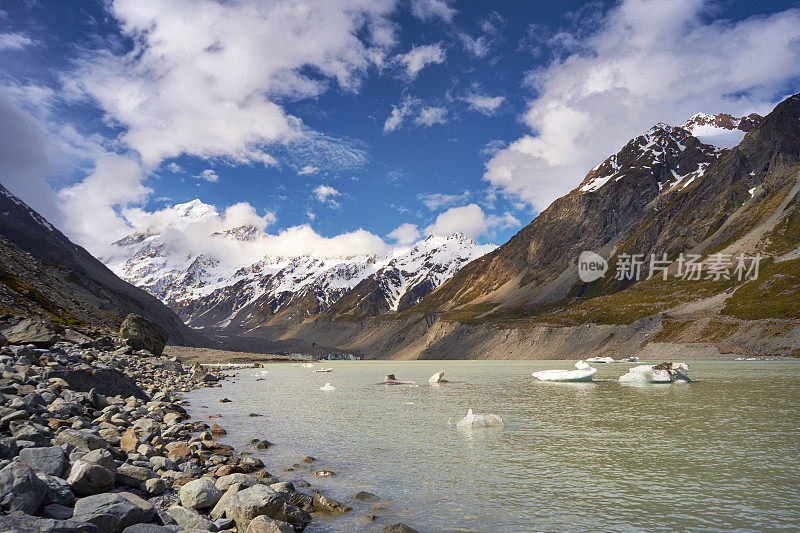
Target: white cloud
x: 471, y: 221
x: 90, y: 207
x: 428, y: 116
x: 425, y: 115
x: 308, y: 169
x: 650, y: 61
x: 483, y: 103
x: 196, y: 228
x: 208, y: 175
x: 199, y: 83
x: 405, y: 233
x: 436, y: 200
x: 431, y: 9
x: 14, y: 41
x: 492, y: 147
x: 327, y: 194
x: 420, y: 57
x: 477, y: 46
x: 174, y: 167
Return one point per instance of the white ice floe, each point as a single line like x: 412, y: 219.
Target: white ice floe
x: 479, y: 421
x: 327, y: 386
x: 309, y: 365
x: 662, y: 373
x: 600, y: 360
x: 584, y: 372
x: 265, y: 372
x: 437, y: 377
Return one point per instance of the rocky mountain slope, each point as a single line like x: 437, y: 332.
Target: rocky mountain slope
x: 667, y: 192
x: 275, y: 290
x: 42, y: 273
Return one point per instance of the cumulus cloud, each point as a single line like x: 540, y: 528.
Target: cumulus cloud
x: 420, y: 57
x: 196, y: 228
x: 14, y: 41
x: 307, y: 170
x: 327, y: 194
x: 484, y: 104
x: 471, y: 221
x: 432, y: 9
x: 174, y: 167
x: 208, y: 175
x: 399, y: 113
x: 649, y: 61
x: 198, y: 82
x: 428, y: 116
x: 114, y: 185
x: 436, y: 200
x: 405, y: 233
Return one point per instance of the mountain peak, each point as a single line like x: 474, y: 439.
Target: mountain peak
x: 721, y: 130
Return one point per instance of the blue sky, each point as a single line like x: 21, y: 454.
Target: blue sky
x: 117, y: 110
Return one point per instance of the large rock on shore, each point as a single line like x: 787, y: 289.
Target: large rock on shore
x: 143, y: 334
x: 21, y: 490
x: 262, y: 524
x: 40, y: 333
x: 113, y: 512
x: 249, y: 503
x: 22, y: 523
x: 49, y: 460
x: 200, y: 494
x: 87, y: 478
x: 105, y: 381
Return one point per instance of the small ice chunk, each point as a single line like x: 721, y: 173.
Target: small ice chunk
x: 309, y: 365
x: 584, y: 372
x: 265, y: 372
x: 662, y: 373
x: 600, y: 360
x: 327, y: 386
x: 479, y: 421
x: 438, y: 378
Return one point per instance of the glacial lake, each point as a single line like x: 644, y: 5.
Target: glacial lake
x: 721, y: 453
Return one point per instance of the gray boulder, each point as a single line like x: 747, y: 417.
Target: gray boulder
x: 190, y: 520
x: 21, y: 490
x: 143, y: 334
x: 247, y: 480
x: 33, y: 331
x: 150, y: 528
x: 59, y: 491
x: 259, y: 500
x: 134, y: 476
x: 200, y: 494
x: 81, y: 439
x: 50, y: 460
x: 113, y: 512
x: 87, y: 478
x: 8, y: 448
x: 22, y: 523
x: 262, y: 524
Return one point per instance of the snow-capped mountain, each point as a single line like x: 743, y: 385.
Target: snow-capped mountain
x: 208, y: 291
x: 682, y: 152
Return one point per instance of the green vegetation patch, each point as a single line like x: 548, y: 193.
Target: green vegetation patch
x: 775, y: 294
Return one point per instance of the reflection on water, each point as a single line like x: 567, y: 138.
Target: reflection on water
x: 717, y: 454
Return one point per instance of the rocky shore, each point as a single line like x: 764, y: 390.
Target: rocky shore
x: 94, y: 437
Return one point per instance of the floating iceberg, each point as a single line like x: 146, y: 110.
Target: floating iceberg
x: 309, y: 365
x: 264, y: 372
x: 438, y: 378
x: 584, y: 372
x: 600, y: 360
x: 327, y: 386
x: 391, y: 380
x: 662, y: 373
x: 479, y: 421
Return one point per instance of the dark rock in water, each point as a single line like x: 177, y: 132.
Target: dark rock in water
x: 113, y: 512
x: 143, y: 334
x: 400, y: 528
x: 327, y: 505
x: 104, y: 381
x: 249, y: 503
x: 49, y: 460
x: 21, y: 490
x: 225, y: 400
x: 364, y: 496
